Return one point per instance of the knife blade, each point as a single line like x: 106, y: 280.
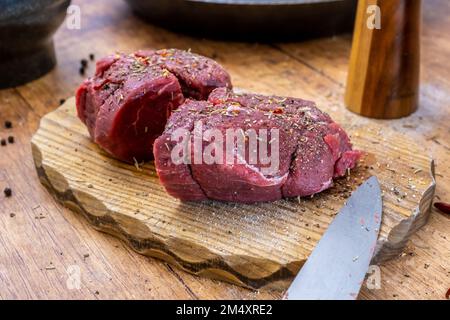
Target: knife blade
x: 336, y: 268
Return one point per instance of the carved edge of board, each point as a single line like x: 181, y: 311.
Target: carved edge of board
x: 216, y: 268
x: 398, y: 237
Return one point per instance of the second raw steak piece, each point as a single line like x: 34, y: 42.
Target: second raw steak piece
x: 307, y: 146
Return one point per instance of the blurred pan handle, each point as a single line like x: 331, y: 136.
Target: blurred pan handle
x: 383, y: 77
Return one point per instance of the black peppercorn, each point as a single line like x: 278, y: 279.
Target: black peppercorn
x: 8, y: 124
x: 11, y: 139
x: 3, y: 142
x: 84, y: 63
x: 91, y: 56
x: 61, y: 101
x: 81, y: 71
x: 7, y: 192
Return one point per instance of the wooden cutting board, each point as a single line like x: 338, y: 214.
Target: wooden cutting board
x: 257, y: 246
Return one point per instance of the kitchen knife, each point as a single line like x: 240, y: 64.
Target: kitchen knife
x: 336, y: 268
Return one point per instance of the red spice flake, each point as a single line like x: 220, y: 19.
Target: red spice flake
x: 443, y: 207
x: 143, y: 60
x: 166, y: 53
x: 447, y: 295
x: 278, y: 111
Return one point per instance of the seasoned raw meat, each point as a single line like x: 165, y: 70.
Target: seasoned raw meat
x: 198, y: 76
x: 125, y: 106
x: 311, y: 149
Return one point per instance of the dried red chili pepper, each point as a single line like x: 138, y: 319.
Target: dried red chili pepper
x: 444, y: 207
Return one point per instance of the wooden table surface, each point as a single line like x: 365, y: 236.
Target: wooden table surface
x: 42, y: 243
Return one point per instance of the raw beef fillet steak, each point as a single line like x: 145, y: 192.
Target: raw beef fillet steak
x: 312, y: 149
x: 125, y: 106
x: 198, y: 76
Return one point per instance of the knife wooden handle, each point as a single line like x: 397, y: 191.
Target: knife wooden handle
x: 383, y: 77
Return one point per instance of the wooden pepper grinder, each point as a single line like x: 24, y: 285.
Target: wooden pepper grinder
x: 383, y: 78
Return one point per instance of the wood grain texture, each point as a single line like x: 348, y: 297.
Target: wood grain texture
x: 315, y: 70
x: 383, y: 76
x: 256, y: 246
